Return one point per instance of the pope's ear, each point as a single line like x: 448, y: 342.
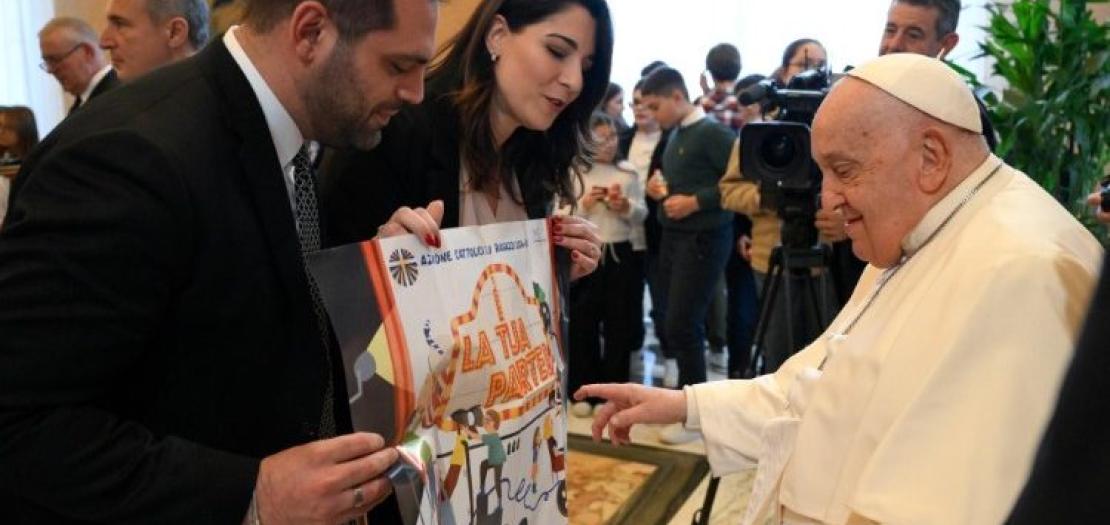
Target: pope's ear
x: 936, y: 160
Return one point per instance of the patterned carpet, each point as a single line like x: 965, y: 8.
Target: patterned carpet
x: 601, y: 485
x: 629, y: 484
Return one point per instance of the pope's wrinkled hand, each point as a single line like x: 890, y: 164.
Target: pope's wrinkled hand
x: 630, y: 404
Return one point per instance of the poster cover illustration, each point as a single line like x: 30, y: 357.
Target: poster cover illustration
x: 454, y: 355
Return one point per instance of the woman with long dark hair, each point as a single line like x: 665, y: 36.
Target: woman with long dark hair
x: 18, y: 134
x: 500, y: 136
x: 18, y: 131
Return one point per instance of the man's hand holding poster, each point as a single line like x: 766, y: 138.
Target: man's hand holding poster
x: 453, y: 354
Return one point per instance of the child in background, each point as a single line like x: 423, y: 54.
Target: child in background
x: 611, y: 197
x: 697, y: 233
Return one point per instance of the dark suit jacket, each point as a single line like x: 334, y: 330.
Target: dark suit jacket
x: 1071, y: 476
x: 156, y: 331
x: 106, y: 84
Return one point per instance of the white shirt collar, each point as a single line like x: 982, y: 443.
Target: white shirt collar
x: 93, y: 82
x: 947, y: 205
x: 693, y: 117
x: 287, y: 137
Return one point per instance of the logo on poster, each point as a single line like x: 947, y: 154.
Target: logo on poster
x: 403, y: 267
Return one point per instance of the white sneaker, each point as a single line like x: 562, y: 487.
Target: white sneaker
x: 677, y: 434
x: 581, y: 409
x: 718, y: 361
x: 670, y: 374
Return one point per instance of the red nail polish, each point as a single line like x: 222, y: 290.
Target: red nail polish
x: 439, y: 242
x: 429, y: 240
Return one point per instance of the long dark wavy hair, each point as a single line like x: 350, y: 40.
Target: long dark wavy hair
x: 463, y: 72
x: 21, y: 120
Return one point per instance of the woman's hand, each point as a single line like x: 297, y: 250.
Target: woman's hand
x: 580, y: 237
x: 422, y: 222
x: 629, y: 404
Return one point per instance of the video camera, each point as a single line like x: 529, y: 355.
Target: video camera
x: 777, y: 154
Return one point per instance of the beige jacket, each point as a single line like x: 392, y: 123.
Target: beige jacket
x: 742, y: 196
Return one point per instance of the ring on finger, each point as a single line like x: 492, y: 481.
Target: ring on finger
x: 360, y: 498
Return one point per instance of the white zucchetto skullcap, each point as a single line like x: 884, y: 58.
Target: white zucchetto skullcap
x: 926, y: 84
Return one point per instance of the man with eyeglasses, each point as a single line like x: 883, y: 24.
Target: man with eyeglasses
x: 70, y: 53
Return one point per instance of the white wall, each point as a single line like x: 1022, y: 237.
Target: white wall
x: 22, y: 83
x: 681, y: 32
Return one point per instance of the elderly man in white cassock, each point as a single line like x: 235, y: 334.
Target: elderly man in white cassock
x: 925, y: 399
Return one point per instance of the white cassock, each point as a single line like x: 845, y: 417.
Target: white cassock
x: 930, y: 407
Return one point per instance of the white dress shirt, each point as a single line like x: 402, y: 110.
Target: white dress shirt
x: 287, y: 137
x: 93, y: 82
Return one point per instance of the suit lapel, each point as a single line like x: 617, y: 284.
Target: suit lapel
x: 265, y: 187
x: 260, y: 167
x: 107, y: 83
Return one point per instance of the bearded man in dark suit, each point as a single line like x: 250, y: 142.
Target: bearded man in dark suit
x: 164, y: 357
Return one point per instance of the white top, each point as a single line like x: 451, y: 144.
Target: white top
x: 640, y: 150
x: 287, y: 137
x: 93, y: 82
x: 930, y: 408
x: 613, y: 227
x: 639, y: 155
x: 474, y: 208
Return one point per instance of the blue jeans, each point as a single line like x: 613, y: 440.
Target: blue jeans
x: 690, y: 265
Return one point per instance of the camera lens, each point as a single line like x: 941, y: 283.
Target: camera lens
x: 778, y: 150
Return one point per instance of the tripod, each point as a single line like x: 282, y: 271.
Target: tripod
x: 787, y: 264
x: 791, y: 267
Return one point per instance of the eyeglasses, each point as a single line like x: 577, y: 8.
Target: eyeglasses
x: 50, y: 62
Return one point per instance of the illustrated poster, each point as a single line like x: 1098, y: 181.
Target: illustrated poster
x: 454, y: 355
